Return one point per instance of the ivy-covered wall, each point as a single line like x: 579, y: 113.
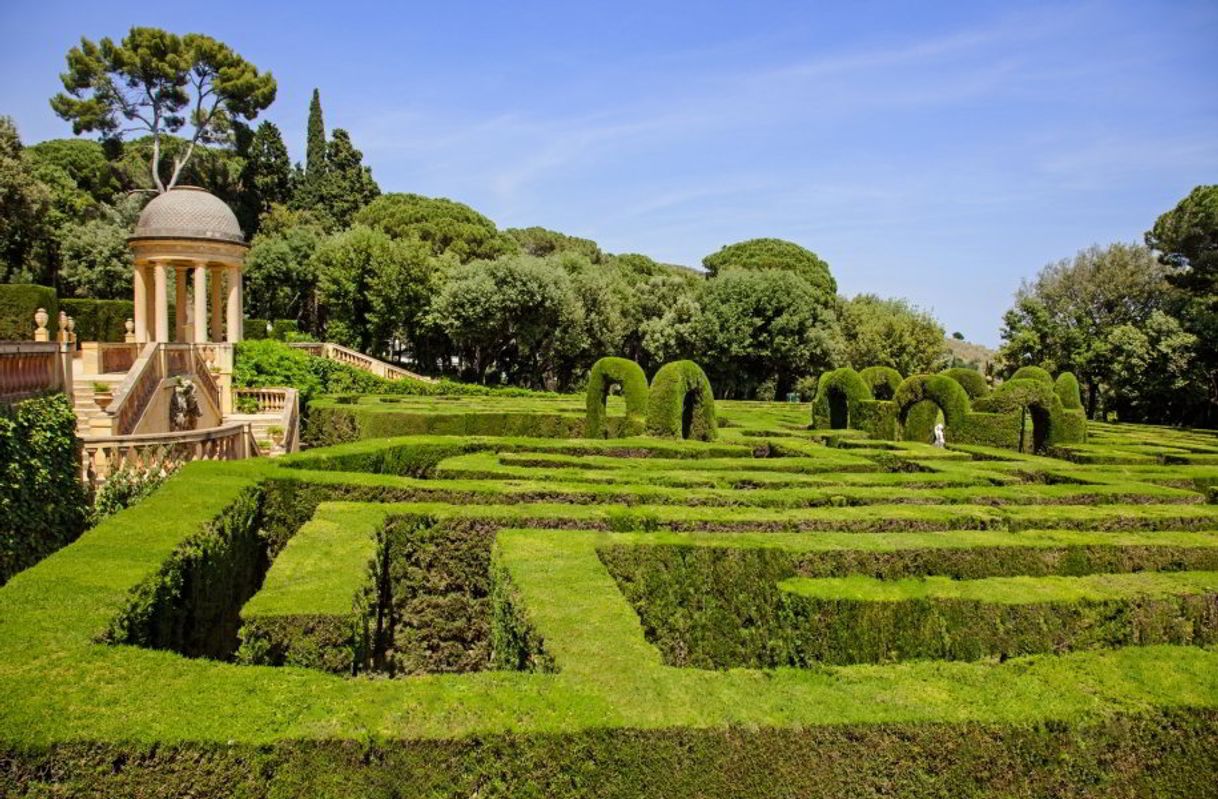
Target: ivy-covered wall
x: 43, y: 505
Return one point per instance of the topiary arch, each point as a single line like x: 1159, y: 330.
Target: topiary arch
x: 972, y: 381
x: 1042, y: 413
x: 681, y: 404
x: 606, y: 373
x: 940, y: 390
x: 1032, y: 373
x: 882, y: 380
x: 838, y: 394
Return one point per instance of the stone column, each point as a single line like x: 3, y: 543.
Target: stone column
x: 217, y: 304
x: 161, y: 300
x: 200, y: 302
x: 181, y: 316
x: 232, y: 320
x: 140, y: 283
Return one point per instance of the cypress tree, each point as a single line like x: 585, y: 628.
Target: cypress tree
x: 315, y: 153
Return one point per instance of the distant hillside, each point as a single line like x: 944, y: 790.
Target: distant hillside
x: 966, y: 353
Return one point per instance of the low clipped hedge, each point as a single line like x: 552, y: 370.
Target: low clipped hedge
x: 99, y: 320
x: 681, y: 404
x: 972, y: 381
x: 43, y: 504
x: 18, y: 304
x: 336, y: 422
x: 877, y: 417
x: 882, y: 380
x: 627, y: 374
x: 989, y: 429
x: 838, y: 390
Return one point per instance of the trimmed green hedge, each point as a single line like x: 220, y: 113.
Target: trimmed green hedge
x: 18, y: 303
x: 882, y: 380
x: 877, y: 417
x: 681, y: 404
x: 43, y: 504
x: 99, y: 320
x: 972, y: 381
x: 1068, y: 391
x: 1032, y: 373
x: 944, y: 392
x: 627, y: 374
x: 838, y: 394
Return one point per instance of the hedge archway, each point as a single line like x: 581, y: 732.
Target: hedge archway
x: 943, y: 391
x: 882, y: 380
x: 838, y: 394
x: 606, y: 373
x: 972, y: 381
x: 1032, y: 373
x: 681, y: 404
x: 1040, y: 407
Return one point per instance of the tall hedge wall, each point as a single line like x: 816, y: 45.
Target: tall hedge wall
x: 43, y: 504
x: 943, y: 391
x: 18, y: 302
x: 972, y: 381
x: 99, y: 320
x: 882, y: 380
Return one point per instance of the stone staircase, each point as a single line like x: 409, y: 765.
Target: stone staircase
x: 82, y: 398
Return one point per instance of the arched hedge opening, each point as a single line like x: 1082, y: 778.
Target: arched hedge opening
x: 838, y: 394
x: 1032, y: 373
x: 606, y: 373
x: 941, y: 391
x: 1040, y: 408
x: 681, y: 404
x: 972, y: 381
x: 882, y: 380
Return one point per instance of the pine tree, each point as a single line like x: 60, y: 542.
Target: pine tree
x: 266, y: 177
x: 315, y: 152
x: 346, y: 185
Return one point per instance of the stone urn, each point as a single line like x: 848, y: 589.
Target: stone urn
x: 103, y: 395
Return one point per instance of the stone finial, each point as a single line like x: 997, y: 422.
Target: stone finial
x: 129, y: 326
x: 41, y: 317
x: 63, y: 327
x: 71, y: 330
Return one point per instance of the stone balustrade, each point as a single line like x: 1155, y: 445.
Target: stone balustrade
x: 30, y: 368
x: 102, y: 456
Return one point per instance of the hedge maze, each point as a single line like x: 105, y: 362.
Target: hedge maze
x: 779, y: 611
x: 1031, y: 412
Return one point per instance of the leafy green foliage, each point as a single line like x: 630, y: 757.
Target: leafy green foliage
x: 18, y: 304
x: 681, y: 403
x: 1186, y: 238
x: 445, y: 226
x: 539, y: 242
x: 42, y: 501
x: 24, y: 201
x: 99, y: 320
x: 761, y: 325
x: 972, y: 381
x: 266, y: 178
x: 757, y: 254
x: 890, y: 332
x: 158, y: 81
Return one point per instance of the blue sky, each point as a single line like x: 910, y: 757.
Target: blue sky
x: 939, y: 152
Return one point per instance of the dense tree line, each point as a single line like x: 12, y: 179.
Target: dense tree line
x: 425, y: 280
x: 1137, y: 323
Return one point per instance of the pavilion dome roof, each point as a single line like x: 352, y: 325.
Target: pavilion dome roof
x: 188, y: 212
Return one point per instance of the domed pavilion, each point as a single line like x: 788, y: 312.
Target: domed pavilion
x: 190, y: 237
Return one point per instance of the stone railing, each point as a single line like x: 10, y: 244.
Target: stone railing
x: 270, y: 400
x: 29, y: 368
x: 116, y: 357
x: 132, y: 396
x: 102, y: 456
x: 341, y: 354
x: 205, y: 379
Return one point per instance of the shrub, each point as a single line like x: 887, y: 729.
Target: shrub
x: 627, y: 374
x: 837, y: 397
x: 681, y: 404
x: 882, y: 380
x: 43, y: 504
x: 99, y: 320
x: 972, y: 381
x: 944, y: 392
x: 1032, y: 373
x: 128, y: 485
x: 281, y: 330
x: 1068, y: 391
x: 18, y: 303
